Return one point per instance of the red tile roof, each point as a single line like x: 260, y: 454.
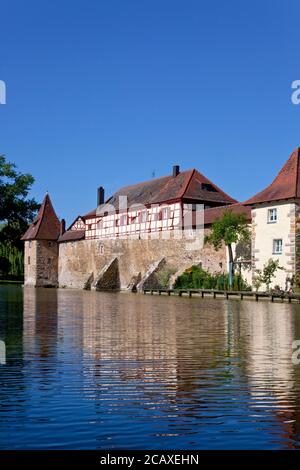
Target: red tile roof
x: 72, y: 235
x: 46, y: 225
x: 201, y: 188
x: 189, y: 185
x: 210, y: 215
x: 286, y: 185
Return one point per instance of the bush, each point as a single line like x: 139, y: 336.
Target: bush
x: 196, y: 278
x: 163, y: 277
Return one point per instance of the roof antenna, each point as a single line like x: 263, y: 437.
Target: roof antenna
x: 153, y: 173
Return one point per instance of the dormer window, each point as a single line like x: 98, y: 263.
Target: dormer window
x: 208, y: 187
x: 272, y: 216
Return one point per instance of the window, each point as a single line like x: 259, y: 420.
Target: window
x: 272, y: 216
x: 49, y: 261
x: 28, y: 260
x: 165, y: 213
x: 123, y: 220
x: 143, y: 216
x: 49, y: 244
x: 277, y: 246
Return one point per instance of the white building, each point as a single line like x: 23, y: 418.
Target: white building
x: 275, y: 223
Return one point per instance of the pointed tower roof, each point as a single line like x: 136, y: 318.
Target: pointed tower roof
x: 286, y: 185
x: 46, y: 225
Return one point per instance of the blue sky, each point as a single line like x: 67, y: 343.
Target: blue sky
x: 108, y: 92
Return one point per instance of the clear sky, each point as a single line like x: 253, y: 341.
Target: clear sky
x: 106, y: 92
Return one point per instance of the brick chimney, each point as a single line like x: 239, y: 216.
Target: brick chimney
x: 62, y: 226
x: 100, y: 196
x: 176, y: 170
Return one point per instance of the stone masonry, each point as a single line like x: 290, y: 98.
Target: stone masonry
x: 41, y: 263
x: 82, y: 261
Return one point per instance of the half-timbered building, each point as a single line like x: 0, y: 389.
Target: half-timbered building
x: 152, y: 206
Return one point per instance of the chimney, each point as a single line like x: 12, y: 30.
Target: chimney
x: 100, y: 196
x: 176, y: 171
x: 62, y: 226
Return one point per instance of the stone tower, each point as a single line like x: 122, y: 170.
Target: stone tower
x: 41, y: 248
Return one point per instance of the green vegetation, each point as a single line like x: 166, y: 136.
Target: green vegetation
x: 197, y: 278
x: 16, y: 212
x: 266, y: 275
x: 297, y: 282
x: 11, y: 261
x: 228, y: 229
x: 163, y: 277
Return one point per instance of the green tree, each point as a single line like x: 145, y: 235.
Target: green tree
x: 256, y: 281
x: 266, y: 275
x: 4, y: 266
x: 17, y: 210
x: 228, y: 229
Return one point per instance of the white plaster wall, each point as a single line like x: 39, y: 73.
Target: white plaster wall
x: 109, y: 225
x: 264, y: 234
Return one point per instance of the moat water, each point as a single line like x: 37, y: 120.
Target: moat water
x: 89, y: 370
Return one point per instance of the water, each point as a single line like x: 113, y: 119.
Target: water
x: 89, y: 370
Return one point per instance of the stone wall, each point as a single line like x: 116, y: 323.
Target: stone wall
x: 81, y: 261
x: 30, y: 267
x: 41, y: 263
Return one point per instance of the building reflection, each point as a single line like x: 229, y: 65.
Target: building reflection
x: 184, y: 357
x: 151, y: 346
x: 161, y: 349
x: 150, y: 336
x: 267, y: 333
x: 40, y: 329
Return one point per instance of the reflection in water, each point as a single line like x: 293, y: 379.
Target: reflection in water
x: 100, y: 370
x: 269, y: 369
